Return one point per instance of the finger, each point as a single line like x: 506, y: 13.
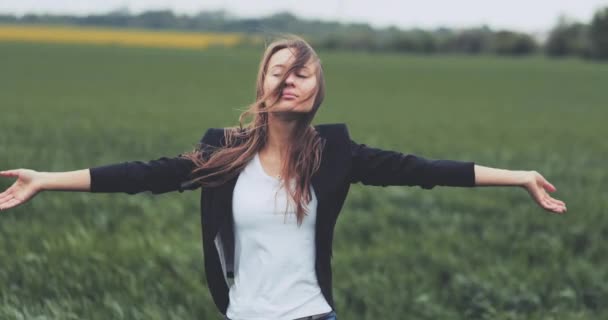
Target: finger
x: 10, y: 204
x: 547, y: 205
x: 560, y: 204
x: 543, y: 199
x: 560, y: 210
x: 7, y: 191
x: 541, y: 195
x: 550, y: 205
x: 557, y: 201
x: 9, y: 173
x: 554, y: 207
x: 6, y: 196
x: 548, y: 186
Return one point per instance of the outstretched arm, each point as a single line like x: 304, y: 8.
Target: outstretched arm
x: 157, y: 176
x: 374, y: 166
x: 30, y: 182
x: 536, y: 185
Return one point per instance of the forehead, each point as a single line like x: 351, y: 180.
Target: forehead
x: 286, y: 57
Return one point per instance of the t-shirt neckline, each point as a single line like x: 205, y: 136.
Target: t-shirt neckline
x: 261, y: 168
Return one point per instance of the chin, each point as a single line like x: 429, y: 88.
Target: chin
x: 290, y: 113
x: 292, y: 108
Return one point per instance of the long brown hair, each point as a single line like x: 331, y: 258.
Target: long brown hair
x: 241, y: 143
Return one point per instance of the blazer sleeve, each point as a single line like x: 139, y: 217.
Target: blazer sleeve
x: 162, y: 175
x: 377, y: 167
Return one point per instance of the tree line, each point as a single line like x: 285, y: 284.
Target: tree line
x: 567, y: 38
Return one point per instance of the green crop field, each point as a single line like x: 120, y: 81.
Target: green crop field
x: 399, y: 252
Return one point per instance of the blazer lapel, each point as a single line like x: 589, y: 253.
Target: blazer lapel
x: 334, y: 160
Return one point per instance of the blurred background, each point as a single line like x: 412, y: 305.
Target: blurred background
x: 514, y: 85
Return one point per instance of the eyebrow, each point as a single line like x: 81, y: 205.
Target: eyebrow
x: 283, y: 66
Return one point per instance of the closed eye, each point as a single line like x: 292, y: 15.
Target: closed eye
x: 297, y: 75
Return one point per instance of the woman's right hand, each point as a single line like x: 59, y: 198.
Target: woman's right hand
x: 26, y: 187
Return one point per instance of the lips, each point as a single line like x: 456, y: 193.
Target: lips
x: 288, y: 95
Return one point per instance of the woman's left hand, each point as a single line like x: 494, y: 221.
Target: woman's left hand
x: 537, y: 186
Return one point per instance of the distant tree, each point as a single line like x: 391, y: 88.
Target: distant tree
x: 111, y: 19
x: 425, y: 41
x: 513, y: 43
x: 280, y: 21
x: 598, y: 34
x: 402, y: 42
x: 31, y: 18
x: 415, y: 41
x: 247, y: 25
x: 157, y: 19
x: 210, y: 21
x: 568, y: 38
x: 471, y: 41
x: 364, y: 40
x: 331, y: 41
x: 7, y: 18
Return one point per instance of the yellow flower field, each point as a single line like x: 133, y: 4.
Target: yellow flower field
x: 94, y: 35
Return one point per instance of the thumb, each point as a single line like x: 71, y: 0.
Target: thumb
x: 9, y: 173
x: 548, y: 186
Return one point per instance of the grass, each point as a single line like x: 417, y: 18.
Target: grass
x: 398, y: 253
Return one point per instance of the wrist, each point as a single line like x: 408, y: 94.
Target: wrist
x: 525, y: 178
x: 41, y: 180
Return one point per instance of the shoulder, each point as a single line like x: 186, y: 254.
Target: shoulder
x: 333, y: 130
x: 213, y: 136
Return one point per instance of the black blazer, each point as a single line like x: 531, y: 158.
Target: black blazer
x: 343, y: 163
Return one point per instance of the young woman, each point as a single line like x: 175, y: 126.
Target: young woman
x: 273, y: 190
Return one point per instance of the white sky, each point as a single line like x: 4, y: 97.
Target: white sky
x: 536, y: 16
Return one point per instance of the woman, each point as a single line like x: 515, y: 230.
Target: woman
x: 273, y: 190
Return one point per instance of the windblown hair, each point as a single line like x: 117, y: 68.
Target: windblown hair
x: 241, y: 143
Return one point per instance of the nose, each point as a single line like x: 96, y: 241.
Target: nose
x: 290, y: 79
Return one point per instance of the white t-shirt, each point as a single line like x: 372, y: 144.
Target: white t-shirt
x: 274, y: 262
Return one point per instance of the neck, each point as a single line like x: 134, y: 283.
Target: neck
x: 281, y: 128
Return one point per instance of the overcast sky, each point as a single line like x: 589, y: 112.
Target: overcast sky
x: 522, y: 15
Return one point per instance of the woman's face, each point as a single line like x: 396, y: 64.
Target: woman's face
x: 299, y: 85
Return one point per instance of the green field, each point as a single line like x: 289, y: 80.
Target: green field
x: 399, y: 252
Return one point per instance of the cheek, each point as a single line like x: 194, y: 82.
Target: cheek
x: 310, y: 87
x: 269, y: 85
